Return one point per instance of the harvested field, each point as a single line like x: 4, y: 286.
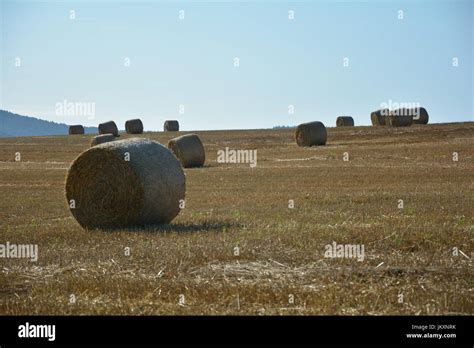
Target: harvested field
x: 237, y: 247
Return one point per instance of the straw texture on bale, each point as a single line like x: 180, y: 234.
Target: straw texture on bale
x: 112, y: 192
x: 399, y: 118
x: 134, y: 126
x: 345, y: 121
x: 421, y: 116
x: 76, y: 129
x: 171, y: 126
x: 103, y: 138
x: 189, y: 150
x: 108, y: 128
x: 311, y: 133
x: 379, y: 117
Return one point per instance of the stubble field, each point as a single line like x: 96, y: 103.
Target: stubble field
x: 237, y: 248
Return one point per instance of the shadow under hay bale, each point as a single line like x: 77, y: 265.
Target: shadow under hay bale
x: 189, y: 150
x: 400, y: 118
x: 379, y: 117
x: 103, y: 138
x: 344, y: 121
x: 76, y: 129
x: 311, y: 133
x: 134, y: 126
x: 108, y: 128
x: 125, y: 183
x: 199, y: 227
x: 171, y: 126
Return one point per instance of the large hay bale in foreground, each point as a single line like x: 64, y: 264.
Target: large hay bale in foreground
x: 125, y: 183
x: 171, y: 126
x: 76, y: 129
x: 189, y: 150
x: 311, y: 133
x: 108, y: 128
x: 134, y: 126
x: 345, y: 121
x: 379, y: 117
x: 420, y: 116
x: 103, y: 138
x: 399, y: 118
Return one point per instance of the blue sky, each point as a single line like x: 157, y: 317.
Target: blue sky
x: 190, y: 61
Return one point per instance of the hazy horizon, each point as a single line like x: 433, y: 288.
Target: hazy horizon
x: 153, y: 61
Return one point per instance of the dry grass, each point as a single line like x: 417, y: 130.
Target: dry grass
x: 281, y: 249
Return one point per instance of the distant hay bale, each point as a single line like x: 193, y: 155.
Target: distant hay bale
x: 171, y: 126
x: 76, y: 129
x: 345, y: 121
x: 189, y: 150
x: 311, y: 133
x: 379, y: 117
x: 400, y: 118
x: 134, y: 126
x: 420, y: 116
x: 103, y: 138
x: 125, y: 183
x: 108, y: 128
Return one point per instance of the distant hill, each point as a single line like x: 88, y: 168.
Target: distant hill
x: 13, y: 125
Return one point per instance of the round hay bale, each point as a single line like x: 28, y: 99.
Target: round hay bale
x: 108, y: 128
x: 112, y: 192
x: 379, y: 117
x: 345, y: 121
x: 420, y: 116
x: 189, y: 150
x: 134, y: 126
x: 76, y: 129
x: 399, y: 118
x: 103, y: 138
x: 311, y: 133
x: 171, y: 126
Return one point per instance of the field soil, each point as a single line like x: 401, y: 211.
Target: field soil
x: 254, y: 240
